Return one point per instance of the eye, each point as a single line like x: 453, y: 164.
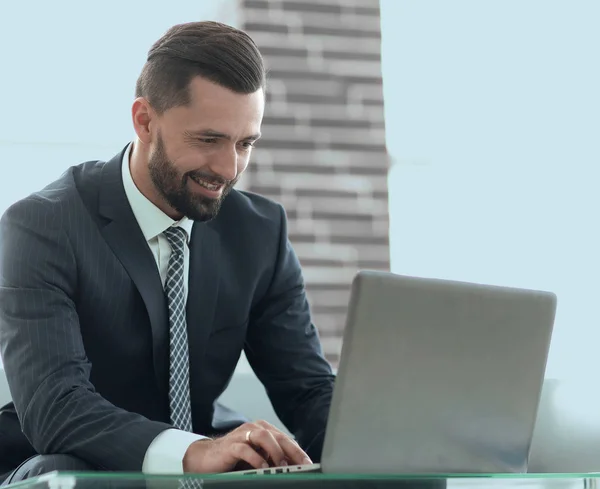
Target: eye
x: 208, y: 140
x: 248, y: 144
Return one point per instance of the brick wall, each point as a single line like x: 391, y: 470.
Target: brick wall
x: 323, y: 153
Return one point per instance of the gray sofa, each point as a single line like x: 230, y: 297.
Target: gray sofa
x: 4, y: 393
x: 567, y: 432
x: 566, y: 436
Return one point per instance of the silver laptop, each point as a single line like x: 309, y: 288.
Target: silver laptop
x: 436, y: 376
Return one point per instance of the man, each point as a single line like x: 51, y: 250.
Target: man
x: 129, y: 288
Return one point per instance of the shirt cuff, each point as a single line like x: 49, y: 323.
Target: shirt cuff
x: 165, y: 453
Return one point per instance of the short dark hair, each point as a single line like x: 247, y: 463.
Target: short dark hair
x: 215, y: 51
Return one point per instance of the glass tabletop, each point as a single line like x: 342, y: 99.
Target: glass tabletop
x: 96, y: 480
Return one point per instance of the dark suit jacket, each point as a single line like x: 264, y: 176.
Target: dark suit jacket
x: 84, y: 321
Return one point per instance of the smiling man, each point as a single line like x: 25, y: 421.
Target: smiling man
x: 129, y: 288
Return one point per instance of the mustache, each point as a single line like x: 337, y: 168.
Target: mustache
x: 208, y: 177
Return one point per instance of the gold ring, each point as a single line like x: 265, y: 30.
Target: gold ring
x: 248, y: 433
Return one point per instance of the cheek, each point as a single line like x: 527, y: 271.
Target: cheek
x: 189, y: 160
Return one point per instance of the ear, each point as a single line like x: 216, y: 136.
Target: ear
x: 142, y: 115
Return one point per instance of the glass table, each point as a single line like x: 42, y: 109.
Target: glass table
x: 66, y: 480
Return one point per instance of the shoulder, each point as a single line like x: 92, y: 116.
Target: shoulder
x: 53, y: 205
x: 251, y: 225
x: 248, y: 209
x: 255, y: 204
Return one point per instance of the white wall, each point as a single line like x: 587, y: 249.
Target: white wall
x: 493, y: 121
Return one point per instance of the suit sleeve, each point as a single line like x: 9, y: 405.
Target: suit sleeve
x: 42, y: 349
x: 284, y: 350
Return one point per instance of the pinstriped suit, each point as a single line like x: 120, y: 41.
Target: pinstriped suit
x: 84, y: 326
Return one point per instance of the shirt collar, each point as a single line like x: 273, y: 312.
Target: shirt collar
x: 151, y: 219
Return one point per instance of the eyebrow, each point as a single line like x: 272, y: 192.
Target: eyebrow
x: 209, y: 133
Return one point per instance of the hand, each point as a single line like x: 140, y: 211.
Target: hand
x: 259, y: 445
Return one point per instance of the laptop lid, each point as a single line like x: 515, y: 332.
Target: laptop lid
x: 437, y: 376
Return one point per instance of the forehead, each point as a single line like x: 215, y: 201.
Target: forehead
x: 221, y: 109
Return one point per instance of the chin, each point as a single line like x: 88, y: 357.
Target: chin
x: 203, y: 214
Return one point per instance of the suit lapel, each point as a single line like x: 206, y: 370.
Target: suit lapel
x: 203, y: 287
x: 125, y: 238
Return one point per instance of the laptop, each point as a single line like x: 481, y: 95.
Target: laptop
x: 436, y: 377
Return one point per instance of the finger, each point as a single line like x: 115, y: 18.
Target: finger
x: 245, y: 453
x: 245, y: 428
x: 276, y: 431
x: 292, y: 451
x: 268, y: 426
x: 291, y: 448
x: 264, y: 439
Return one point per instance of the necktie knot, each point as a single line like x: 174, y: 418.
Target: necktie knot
x: 177, y: 237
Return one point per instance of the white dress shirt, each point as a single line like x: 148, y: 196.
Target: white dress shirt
x: 165, y: 453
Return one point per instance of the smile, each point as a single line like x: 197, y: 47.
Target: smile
x: 209, y: 186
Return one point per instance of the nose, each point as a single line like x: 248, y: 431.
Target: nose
x: 226, y: 164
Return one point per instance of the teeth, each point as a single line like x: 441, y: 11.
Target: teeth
x: 207, y: 185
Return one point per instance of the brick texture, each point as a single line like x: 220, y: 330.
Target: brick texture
x: 323, y: 153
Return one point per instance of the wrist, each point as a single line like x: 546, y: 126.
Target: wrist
x: 191, y: 454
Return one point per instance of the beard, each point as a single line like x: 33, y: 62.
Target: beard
x: 173, y: 186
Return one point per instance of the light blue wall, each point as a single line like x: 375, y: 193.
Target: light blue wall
x: 493, y: 122
x: 67, y: 80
